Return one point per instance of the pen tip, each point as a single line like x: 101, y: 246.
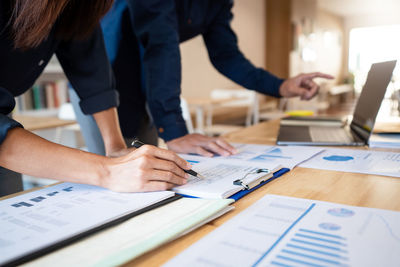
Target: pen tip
x: 201, y: 176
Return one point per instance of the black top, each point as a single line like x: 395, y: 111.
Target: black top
x: 143, y: 40
x: 84, y: 62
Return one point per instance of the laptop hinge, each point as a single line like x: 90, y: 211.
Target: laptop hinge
x: 360, y: 132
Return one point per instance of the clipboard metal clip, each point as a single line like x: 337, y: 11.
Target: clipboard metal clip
x: 267, y: 173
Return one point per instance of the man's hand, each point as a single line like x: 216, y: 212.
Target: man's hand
x: 202, y: 145
x: 302, y: 85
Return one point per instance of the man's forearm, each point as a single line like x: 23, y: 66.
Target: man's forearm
x: 109, y: 127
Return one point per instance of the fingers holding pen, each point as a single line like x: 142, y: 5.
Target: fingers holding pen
x: 151, y: 163
x: 163, y: 154
x: 146, y: 169
x: 167, y: 177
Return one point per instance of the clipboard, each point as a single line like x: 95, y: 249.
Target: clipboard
x: 266, y: 174
x: 245, y: 191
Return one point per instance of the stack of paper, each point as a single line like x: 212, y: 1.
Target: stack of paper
x: 138, y: 235
x: 284, y: 231
x: 385, y: 140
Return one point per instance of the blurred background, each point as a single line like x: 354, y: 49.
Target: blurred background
x: 286, y: 37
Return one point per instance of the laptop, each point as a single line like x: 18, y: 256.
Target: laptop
x: 334, y: 132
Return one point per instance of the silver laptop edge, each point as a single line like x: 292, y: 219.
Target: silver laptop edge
x: 360, y: 128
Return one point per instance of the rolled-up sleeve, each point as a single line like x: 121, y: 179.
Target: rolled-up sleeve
x: 226, y: 57
x: 87, y: 67
x: 156, y: 25
x: 7, y: 104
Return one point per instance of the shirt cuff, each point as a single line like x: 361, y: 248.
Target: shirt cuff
x: 278, y: 84
x: 100, y: 102
x: 172, y: 126
x: 6, y: 124
x: 274, y: 85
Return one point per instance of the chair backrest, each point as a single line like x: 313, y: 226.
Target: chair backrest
x: 186, y: 115
x: 240, y: 98
x: 66, y: 112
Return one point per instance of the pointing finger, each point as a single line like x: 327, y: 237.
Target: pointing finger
x: 316, y: 75
x: 311, y: 92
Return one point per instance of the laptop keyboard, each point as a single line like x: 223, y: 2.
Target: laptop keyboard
x: 329, y: 135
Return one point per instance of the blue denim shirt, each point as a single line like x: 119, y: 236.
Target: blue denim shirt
x: 159, y: 26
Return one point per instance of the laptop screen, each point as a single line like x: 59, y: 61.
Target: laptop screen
x: 371, y: 98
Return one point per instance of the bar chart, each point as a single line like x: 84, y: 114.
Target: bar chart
x: 285, y: 231
x: 313, y: 248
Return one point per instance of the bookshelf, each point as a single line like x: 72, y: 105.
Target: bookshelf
x: 48, y: 93
x: 44, y: 98
x: 52, y: 72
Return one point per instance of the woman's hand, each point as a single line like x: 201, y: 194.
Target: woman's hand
x: 202, y: 145
x: 120, y: 152
x: 147, y: 168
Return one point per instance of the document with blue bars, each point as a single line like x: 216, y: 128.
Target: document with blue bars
x: 286, y: 231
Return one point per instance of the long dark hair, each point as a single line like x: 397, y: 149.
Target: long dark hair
x: 32, y: 20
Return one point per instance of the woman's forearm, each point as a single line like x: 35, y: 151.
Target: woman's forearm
x: 30, y: 154
x: 145, y: 169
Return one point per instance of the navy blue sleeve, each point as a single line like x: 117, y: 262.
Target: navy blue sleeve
x: 226, y: 57
x: 155, y: 24
x: 7, y: 104
x: 86, y: 65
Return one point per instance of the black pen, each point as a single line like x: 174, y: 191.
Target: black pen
x: 137, y: 143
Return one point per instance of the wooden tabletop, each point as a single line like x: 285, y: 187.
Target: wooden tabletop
x: 339, y: 187
x: 32, y: 123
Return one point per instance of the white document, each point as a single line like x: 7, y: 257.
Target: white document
x: 358, y: 161
x: 119, y: 244
x: 285, y: 231
x: 220, y: 172
x: 287, y: 156
x: 219, y: 175
x: 41, y: 218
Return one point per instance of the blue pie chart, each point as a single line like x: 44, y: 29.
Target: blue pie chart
x: 341, y: 212
x: 329, y: 226
x: 338, y: 158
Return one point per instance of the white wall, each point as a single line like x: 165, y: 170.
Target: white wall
x: 199, y: 77
x: 321, y: 34
x: 370, y: 20
x: 319, y: 47
x: 362, y: 13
